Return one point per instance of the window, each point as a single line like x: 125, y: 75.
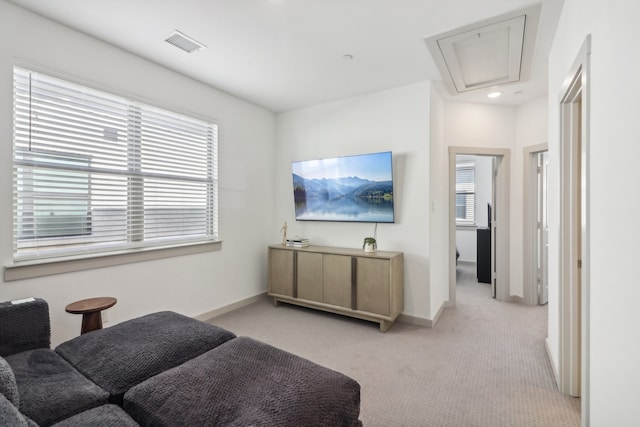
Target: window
x: 465, y: 192
x: 94, y: 172
x: 59, y: 211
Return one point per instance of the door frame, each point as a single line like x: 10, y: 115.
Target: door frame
x: 574, y: 286
x: 500, y: 277
x: 530, y: 291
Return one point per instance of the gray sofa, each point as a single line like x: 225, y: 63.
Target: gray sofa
x: 163, y: 369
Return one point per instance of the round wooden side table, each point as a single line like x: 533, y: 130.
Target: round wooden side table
x: 91, y: 311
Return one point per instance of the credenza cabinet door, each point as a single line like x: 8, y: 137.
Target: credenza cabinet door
x: 309, y: 274
x: 337, y: 280
x: 281, y: 269
x: 373, y: 285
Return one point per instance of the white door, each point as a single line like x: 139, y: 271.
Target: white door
x: 542, y: 234
x: 493, y: 225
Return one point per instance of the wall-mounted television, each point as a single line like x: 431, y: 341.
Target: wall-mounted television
x: 351, y: 188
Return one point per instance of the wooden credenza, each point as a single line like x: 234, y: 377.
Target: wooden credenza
x: 339, y: 280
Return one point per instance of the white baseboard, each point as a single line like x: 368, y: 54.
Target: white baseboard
x: 439, y: 313
x: 553, y: 366
x: 422, y: 321
x: 230, y: 307
x: 415, y: 320
x: 518, y: 299
x: 405, y: 318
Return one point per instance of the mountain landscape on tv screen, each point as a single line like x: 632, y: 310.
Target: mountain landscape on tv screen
x: 343, y: 199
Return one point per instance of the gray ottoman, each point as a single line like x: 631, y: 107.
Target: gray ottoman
x: 102, y: 416
x: 246, y: 383
x: 128, y: 353
x: 50, y: 389
x: 11, y: 416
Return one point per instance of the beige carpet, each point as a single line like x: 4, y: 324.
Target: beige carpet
x: 484, y: 364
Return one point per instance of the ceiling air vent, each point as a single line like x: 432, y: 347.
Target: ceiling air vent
x: 184, y: 42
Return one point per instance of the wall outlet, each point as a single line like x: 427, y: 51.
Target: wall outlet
x: 105, y: 316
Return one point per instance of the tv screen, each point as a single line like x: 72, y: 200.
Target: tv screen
x: 351, y: 188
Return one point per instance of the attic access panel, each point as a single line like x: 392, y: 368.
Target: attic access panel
x: 490, y: 53
x: 486, y: 56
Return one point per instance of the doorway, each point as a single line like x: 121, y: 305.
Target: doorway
x: 499, y: 220
x: 573, y: 292
x: 571, y: 235
x: 475, y: 197
x: 536, y: 227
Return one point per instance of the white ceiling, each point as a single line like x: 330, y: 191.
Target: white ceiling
x: 287, y: 54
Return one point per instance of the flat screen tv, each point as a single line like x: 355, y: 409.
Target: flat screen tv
x: 351, y: 188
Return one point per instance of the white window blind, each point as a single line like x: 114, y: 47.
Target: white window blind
x: 94, y: 172
x: 465, y: 192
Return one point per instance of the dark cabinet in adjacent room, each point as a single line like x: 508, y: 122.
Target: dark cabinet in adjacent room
x: 483, y: 247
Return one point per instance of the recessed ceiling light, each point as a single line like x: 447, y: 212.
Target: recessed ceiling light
x: 494, y: 94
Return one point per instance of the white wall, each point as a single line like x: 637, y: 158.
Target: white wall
x: 531, y: 129
x: 494, y: 126
x: 466, y: 236
x: 192, y: 284
x: 485, y: 126
x: 396, y: 120
x: 439, y: 192
x: 614, y: 318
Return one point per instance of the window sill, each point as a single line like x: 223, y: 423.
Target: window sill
x: 39, y: 268
x: 468, y: 227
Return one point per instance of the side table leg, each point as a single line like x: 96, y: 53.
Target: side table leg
x: 91, y: 322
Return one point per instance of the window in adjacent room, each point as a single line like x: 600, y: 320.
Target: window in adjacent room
x: 96, y: 173
x: 465, y: 192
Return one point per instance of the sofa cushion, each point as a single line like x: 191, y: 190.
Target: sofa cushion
x: 50, y: 389
x: 11, y: 416
x: 24, y: 325
x: 102, y: 416
x: 8, y: 386
x: 246, y: 382
x: 121, y: 356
